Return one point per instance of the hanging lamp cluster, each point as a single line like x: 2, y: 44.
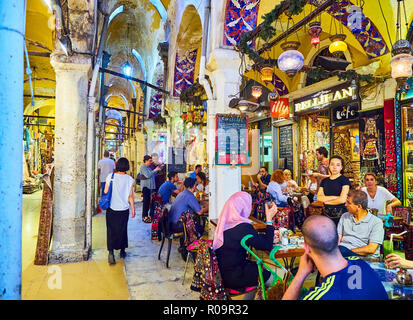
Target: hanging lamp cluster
x: 291, y: 60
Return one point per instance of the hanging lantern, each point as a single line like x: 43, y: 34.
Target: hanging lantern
x: 314, y: 31
x: 338, y: 46
x: 355, y: 19
x: 401, y: 63
x: 266, y: 73
x: 256, y: 91
x: 272, y: 96
x: 291, y: 60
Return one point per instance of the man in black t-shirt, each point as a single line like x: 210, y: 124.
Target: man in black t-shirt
x: 263, y: 179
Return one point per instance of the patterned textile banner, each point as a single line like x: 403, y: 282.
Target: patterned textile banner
x: 389, y: 125
x: 240, y: 17
x: 184, y: 71
x: 372, y: 144
x: 156, y: 100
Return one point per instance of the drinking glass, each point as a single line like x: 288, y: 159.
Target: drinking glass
x: 387, y: 247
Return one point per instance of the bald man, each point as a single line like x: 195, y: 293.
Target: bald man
x: 344, y: 279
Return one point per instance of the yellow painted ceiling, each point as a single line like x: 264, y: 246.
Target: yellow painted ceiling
x: 359, y: 57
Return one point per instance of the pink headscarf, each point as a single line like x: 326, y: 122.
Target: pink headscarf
x: 236, y: 210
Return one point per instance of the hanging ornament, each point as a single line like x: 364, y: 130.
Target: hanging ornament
x: 401, y: 63
x: 355, y: 19
x: 272, y: 96
x: 256, y: 91
x: 338, y: 46
x: 291, y: 60
x: 314, y: 31
x: 266, y: 73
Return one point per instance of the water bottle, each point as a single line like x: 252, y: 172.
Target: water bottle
x: 284, y: 240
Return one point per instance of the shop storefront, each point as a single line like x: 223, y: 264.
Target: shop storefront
x: 404, y: 115
x: 38, y: 147
x: 265, y: 143
x: 330, y: 119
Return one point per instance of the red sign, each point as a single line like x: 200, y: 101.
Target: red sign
x: 280, y: 108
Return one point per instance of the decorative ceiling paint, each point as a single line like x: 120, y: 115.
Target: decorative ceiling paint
x: 279, y: 85
x: 370, y: 38
x: 240, y: 17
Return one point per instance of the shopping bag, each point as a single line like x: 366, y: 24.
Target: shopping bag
x: 104, y: 202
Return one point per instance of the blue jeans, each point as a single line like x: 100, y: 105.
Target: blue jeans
x: 282, y: 204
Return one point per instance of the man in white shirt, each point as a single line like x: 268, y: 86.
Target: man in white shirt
x: 106, y: 166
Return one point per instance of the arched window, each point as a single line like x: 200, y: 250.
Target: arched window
x: 326, y: 60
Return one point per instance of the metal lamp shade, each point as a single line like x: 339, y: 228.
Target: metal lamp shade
x: 338, y: 46
x: 256, y: 91
x: 266, y: 73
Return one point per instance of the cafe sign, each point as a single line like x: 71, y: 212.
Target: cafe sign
x: 338, y: 95
x: 346, y: 112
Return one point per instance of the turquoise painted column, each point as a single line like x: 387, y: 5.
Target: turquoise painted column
x: 12, y: 21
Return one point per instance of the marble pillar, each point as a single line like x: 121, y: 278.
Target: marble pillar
x: 69, y: 222
x: 223, y: 66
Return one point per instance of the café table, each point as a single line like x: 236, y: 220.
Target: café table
x: 257, y: 224
x: 288, y: 254
x: 394, y: 290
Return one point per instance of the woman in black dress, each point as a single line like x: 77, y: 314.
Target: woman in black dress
x: 233, y: 224
x: 333, y: 190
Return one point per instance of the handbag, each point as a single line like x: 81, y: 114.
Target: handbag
x: 104, y: 202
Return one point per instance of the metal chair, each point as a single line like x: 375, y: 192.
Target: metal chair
x: 167, y: 234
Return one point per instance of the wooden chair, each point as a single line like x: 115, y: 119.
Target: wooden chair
x: 167, y: 234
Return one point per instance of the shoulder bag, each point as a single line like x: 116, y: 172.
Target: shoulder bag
x: 104, y: 202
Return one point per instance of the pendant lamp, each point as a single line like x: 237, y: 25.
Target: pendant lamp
x: 338, y: 46
x: 314, y: 31
x: 291, y: 60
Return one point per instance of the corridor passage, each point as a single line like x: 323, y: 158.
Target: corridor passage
x: 139, y: 276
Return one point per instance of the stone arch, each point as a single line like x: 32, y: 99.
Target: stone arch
x: 312, y: 55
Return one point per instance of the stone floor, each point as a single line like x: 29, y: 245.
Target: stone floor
x: 140, y: 276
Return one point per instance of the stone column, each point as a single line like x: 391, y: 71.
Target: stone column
x: 12, y: 17
x: 72, y: 75
x: 224, y: 180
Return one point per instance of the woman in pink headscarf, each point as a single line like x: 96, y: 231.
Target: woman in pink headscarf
x: 233, y: 224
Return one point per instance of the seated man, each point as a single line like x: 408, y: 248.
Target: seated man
x: 360, y: 232
x: 263, y: 179
x: 344, y: 279
x: 198, y: 168
x: 184, y: 201
x: 168, y: 188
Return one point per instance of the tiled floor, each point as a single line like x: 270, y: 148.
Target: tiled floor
x: 139, y: 276
x: 93, y: 279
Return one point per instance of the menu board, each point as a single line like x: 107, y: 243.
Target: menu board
x: 231, y: 144
x: 285, y: 142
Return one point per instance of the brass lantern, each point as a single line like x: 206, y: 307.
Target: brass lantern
x: 338, y: 46
x: 266, y: 73
x: 314, y: 31
x: 401, y: 63
x: 256, y: 91
x: 291, y: 60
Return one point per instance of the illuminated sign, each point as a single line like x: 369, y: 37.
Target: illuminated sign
x: 346, y: 112
x: 280, y: 108
x: 326, y: 98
